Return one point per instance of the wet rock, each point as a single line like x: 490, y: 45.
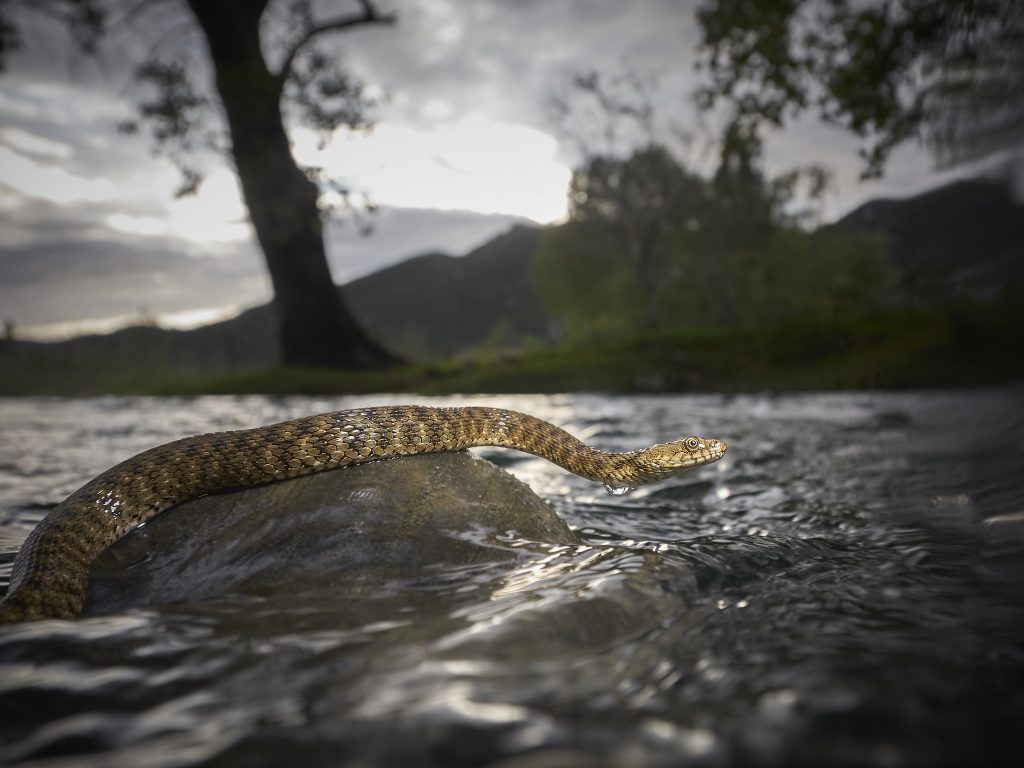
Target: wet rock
x: 390, y: 520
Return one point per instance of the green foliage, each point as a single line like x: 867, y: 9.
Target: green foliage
x: 963, y: 344
x: 720, y: 252
x: 739, y: 274
x: 627, y: 208
x: 584, y: 281
x: 885, y: 70
x: 616, y: 191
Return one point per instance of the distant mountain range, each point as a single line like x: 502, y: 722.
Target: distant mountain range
x: 437, y: 306
x: 429, y: 307
x: 964, y: 238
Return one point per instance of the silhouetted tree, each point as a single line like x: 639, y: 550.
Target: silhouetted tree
x: 315, y: 327
x: 949, y: 72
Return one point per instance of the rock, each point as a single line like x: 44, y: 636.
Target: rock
x: 386, y: 520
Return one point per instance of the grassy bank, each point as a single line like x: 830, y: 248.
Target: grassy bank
x: 964, y: 346
x: 900, y: 349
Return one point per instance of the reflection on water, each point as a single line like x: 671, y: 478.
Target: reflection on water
x: 843, y: 588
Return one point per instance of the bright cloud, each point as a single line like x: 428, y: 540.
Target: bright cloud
x: 50, y: 182
x: 215, y: 215
x: 474, y: 164
x: 28, y: 143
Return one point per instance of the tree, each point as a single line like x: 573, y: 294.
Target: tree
x: 314, y: 326
x: 950, y: 73
x: 735, y: 252
x: 585, y: 284
x: 633, y: 204
x: 752, y: 262
x: 641, y: 220
x: 628, y: 184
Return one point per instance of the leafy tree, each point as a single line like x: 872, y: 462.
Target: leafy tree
x: 631, y: 205
x: 585, y: 283
x: 751, y: 261
x: 736, y: 254
x: 628, y: 181
x: 260, y: 78
x: 639, y: 217
x: 951, y: 73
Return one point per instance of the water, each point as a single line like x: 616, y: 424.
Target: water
x: 844, y: 588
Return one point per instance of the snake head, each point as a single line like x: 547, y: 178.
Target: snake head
x: 666, y: 459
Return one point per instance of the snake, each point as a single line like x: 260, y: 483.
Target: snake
x: 50, y: 574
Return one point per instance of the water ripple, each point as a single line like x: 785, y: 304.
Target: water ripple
x: 843, y: 588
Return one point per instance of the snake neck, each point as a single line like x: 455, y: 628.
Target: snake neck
x: 529, y: 434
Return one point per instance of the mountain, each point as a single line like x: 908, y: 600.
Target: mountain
x: 965, y: 238
x: 429, y: 307
x: 436, y: 306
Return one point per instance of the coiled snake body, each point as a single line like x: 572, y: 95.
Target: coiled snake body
x: 50, y: 573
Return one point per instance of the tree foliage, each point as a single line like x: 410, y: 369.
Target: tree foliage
x: 585, y: 284
x: 951, y: 73
x: 730, y: 251
x: 630, y: 205
x: 625, y: 189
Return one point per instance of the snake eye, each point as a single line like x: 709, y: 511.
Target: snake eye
x: 691, y: 443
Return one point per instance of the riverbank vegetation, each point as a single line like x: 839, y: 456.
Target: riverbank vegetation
x: 740, y: 303
x: 663, y: 279
x: 962, y: 344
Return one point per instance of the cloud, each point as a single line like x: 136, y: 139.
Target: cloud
x: 49, y: 182
x: 215, y: 214
x: 63, y: 266
x: 60, y: 263
x: 472, y: 163
x: 28, y: 143
x: 503, y: 58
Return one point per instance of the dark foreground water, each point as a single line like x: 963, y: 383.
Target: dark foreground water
x: 845, y: 588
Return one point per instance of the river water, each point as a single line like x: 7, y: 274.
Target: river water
x: 844, y: 588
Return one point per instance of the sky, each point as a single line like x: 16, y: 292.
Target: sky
x: 464, y: 146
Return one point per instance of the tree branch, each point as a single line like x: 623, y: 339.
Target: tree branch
x: 369, y: 15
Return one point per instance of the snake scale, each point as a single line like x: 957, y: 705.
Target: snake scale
x: 50, y: 573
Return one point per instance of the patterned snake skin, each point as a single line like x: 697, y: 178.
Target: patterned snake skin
x: 50, y: 574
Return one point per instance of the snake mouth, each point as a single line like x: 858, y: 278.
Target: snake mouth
x: 704, y: 452
x: 713, y: 451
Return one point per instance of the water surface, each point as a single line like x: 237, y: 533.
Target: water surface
x: 843, y: 589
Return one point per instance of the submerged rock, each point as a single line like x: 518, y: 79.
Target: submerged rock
x: 386, y: 520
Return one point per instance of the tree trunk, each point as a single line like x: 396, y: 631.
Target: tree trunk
x: 647, y: 271
x: 314, y: 326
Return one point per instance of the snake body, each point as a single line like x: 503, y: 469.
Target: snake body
x: 50, y: 573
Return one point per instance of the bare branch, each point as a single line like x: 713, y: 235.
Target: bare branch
x: 369, y: 15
